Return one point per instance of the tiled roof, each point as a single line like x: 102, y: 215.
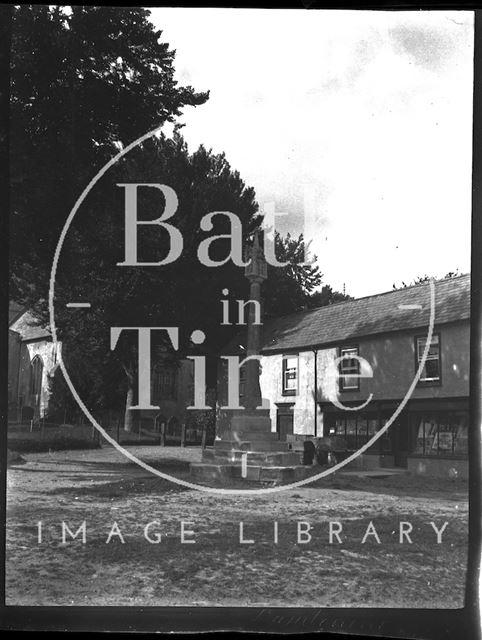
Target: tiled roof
x: 27, y: 326
x: 15, y: 310
x: 376, y: 314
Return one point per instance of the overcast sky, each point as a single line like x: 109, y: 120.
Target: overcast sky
x: 362, y: 119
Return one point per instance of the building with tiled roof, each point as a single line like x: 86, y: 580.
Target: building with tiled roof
x: 345, y: 369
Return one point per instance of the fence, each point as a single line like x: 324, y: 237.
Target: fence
x: 75, y: 428
x: 153, y: 431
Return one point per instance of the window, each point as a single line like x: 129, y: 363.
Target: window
x: 431, y: 370
x: 165, y: 384
x: 441, y: 434
x: 290, y: 375
x: 36, y: 370
x: 349, y: 369
x: 355, y: 429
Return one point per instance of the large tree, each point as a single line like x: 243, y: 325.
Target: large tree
x: 84, y: 82
x: 184, y: 294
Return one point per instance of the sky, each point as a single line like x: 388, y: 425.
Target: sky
x: 356, y: 124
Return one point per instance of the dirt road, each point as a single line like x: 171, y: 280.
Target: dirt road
x: 147, y: 541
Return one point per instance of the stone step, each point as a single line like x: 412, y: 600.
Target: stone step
x: 207, y: 471
x: 257, y: 473
x: 285, y: 474
x: 267, y: 458
x: 254, y: 434
x: 251, y: 445
x: 262, y: 473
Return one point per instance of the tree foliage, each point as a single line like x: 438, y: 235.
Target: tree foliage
x: 288, y: 289
x: 426, y: 278
x: 326, y: 296
x: 84, y: 81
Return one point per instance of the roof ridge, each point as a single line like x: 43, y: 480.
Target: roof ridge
x: 372, y: 295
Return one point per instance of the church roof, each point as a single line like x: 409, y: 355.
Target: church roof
x: 15, y: 310
x: 402, y: 309
x: 27, y: 326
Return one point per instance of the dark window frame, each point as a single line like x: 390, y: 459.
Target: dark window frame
x: 284, y: 390
x: 435, y: 382
x: 341, y: 377
x: 36, y: 375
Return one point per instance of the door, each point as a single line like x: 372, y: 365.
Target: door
x: 400, y: 440
x: 284, y: 420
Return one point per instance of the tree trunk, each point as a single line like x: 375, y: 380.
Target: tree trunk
x: 129, y: 416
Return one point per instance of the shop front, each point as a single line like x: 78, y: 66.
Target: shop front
x: 428, y: 436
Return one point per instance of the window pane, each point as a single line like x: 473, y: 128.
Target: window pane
x: 290, y: 382
x: 372, y: 426
x: 362, y: 436
x: 340, y: 427
x: 348, y: 382
x: 349, y: 368
x: 351, y: 433
x: 290, y: 373
x: 431, y: 370
x: 352, y: 351
x: 461, y: 424
x: 419, y: 447
x: 351, y: 425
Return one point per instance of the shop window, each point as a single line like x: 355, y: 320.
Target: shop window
x: 290, y: 375
x: 431, y: 370
x: 349, y: 369
x: 442, y: 434
x: 356, y: 430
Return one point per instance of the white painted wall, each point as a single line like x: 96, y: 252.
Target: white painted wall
x: 304, y: 400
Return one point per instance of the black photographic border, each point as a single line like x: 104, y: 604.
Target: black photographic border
x: 370, y: 622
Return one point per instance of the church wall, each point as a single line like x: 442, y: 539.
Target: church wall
x: 49, y: 354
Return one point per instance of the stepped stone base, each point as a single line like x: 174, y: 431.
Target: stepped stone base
x: 264, y: 461
x: 249, y: 445
x: 256, y: 473
x: 249, y: 450
x: 265, y: 457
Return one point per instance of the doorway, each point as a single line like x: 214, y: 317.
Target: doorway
x: 284, y: 419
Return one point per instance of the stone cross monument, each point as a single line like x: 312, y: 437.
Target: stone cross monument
x: 256, y: 271
x: 249, y: 448
x: 252, y: 416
